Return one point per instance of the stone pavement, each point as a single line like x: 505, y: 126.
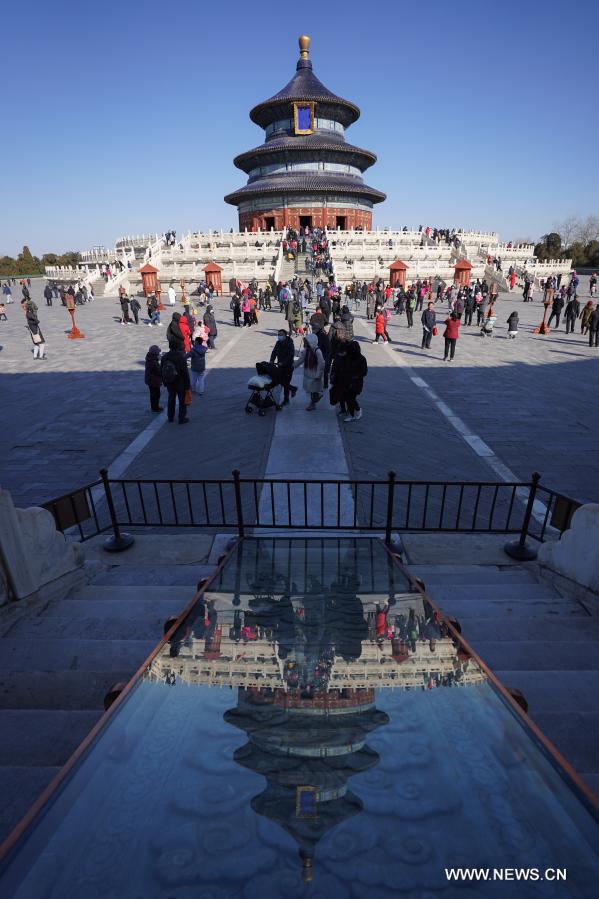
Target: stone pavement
x: 66, y: 417
x: 530, y: 401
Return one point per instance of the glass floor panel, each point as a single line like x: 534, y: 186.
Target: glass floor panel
x: 312, y: 728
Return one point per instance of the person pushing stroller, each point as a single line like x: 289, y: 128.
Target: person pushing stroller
x: 284, y: 354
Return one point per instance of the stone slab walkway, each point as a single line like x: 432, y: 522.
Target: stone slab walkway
x: 530, y: 401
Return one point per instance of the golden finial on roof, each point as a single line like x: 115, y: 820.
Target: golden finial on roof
x: 304, y: 45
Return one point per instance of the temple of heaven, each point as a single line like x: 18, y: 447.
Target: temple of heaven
x: 305, y: 173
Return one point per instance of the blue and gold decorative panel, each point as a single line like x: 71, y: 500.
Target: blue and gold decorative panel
x: 303, y: 118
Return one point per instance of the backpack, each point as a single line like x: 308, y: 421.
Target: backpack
x: 169, y: 373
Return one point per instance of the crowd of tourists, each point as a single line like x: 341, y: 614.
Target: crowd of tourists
x: 321, y: 313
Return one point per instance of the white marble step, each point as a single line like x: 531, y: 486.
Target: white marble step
x: 130, y: 593
x: 58, y: 690
x: 104, y: 626
x: 72, y: 654
x: 42, y: 738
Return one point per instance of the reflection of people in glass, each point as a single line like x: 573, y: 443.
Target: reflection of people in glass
x: 201, y: 623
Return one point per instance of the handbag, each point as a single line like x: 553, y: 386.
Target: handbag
x: 435, y: 331
x: 188, y: 397
x: 36, y: 339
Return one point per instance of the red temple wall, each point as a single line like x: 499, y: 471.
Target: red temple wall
x: 321, y: 217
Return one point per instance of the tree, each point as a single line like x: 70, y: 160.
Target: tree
x: 593, y: 254
x: 567, y: 229
x: 28, y: 264
x: 577, y: 252
x: 549, y: 247
x: 588, y: 230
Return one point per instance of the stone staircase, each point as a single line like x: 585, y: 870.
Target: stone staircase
x: 300, y: 267
x: 99, y: 286
x: 58, y: 660
x: 287, y: 271
x: 535, y: 639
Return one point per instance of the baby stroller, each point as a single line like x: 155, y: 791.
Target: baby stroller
x: 488, y: 325
x: 262, y: 385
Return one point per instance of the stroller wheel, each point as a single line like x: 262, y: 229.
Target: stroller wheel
x: 261, y: 413
x: 248, y: 409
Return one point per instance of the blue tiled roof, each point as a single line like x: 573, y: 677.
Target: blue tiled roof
x: 305, y: 183
x: 305, y: 86
x: 301, y: 143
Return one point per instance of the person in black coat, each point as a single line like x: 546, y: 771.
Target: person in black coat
x: 512, y: 325
x: 339, y: 375
x: 175, y: 377
x: 347, y: 320
x: 174, y: 334
x: 469, y: 304
x: 429, y: 320
x: 235, y: 307
x: 324, y: 345
x: 210, y: 323
x: 48, y: 294
x: 124, y: 301
x: 135, y: 307
x: 354, y: 373
x: 556, y: 311
x: 37, y: 338
x: 189, y: 318
x: 153, y: 377
x: 594, y: 327
x: 284, y: 354
x: 325, y: 305
x: 572, y: 313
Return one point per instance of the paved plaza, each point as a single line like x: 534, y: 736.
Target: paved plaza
x: 501, y: 408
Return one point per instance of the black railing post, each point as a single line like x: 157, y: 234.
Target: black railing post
x: 390, y: 496
x: 237, y: 484
x: 118, y: 542
x: 520, y: 549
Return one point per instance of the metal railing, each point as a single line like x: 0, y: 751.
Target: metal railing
x: 527, y: 509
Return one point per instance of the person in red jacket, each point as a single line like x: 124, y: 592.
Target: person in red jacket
x: 451, y: 334
x: 184, y: 325
x: 380, y: 327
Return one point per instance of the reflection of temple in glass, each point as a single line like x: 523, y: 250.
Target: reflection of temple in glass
x: 307, y: 658
x: 306, y: 752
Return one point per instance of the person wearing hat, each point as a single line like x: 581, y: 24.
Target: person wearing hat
x: 585, y: 317
x: 313, y: 362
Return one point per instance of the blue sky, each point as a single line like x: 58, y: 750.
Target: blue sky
x: 125, y: 117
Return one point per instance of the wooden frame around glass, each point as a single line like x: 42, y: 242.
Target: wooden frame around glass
x: 296, y: 107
